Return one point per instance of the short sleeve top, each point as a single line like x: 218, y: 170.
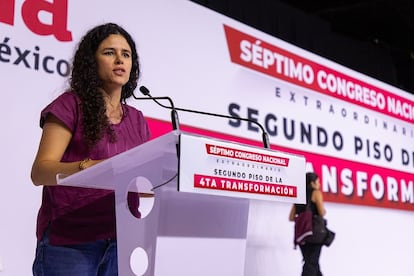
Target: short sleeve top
x: 75, y: 215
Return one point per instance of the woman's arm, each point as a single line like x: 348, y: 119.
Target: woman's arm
x: 292, y: 213
x: 317, y: 198
x: 53, y: 143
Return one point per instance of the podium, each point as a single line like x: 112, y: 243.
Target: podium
x: 201, y: 191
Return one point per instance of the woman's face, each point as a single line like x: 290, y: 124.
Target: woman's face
x: 114, y: 60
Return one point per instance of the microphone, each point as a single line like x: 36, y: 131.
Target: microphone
x: 174, y: 115
x: 265, y: 136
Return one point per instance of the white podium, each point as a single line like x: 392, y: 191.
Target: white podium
x: 202, y: 190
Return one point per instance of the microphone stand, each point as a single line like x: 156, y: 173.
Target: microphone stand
x: 265, y: 137
x: 174, y: 115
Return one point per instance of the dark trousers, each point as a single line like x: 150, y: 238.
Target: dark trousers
x: 311, y: 253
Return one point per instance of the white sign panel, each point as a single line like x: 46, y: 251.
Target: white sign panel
x: 215, y: 167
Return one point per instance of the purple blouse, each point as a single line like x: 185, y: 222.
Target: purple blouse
x: 77, y: 215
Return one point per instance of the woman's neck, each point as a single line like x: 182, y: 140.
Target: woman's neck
x: 114, y: 110
x: 113, y: 96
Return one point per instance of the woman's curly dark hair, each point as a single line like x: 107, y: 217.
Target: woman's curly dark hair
x: 85, y: 81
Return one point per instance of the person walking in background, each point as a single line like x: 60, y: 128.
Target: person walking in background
x: 86, y: 124
x: 314, y: 199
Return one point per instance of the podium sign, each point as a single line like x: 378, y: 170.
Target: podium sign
x: 222, y: 168
x: 208, y: 211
